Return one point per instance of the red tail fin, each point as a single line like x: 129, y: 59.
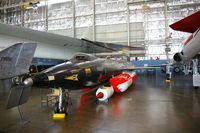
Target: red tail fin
x: 188, y: 24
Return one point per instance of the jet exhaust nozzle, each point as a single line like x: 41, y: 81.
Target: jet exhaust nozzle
x: 28, y: 82
x: 178, y: 57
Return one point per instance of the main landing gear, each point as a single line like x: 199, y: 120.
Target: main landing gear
x: 168, y: 74
x: 61, y: 107
x: 196, y: 75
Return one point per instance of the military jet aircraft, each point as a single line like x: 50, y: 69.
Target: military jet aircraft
x: 83, y: 70
x: 191, y: 47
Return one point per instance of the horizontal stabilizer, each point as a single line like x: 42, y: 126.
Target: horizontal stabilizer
x: 188, y: 24
x: 18, y: 96
x: 16, y: 60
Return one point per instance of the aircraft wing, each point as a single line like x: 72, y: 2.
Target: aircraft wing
x: 188, y: 24
x: 85, y: 45
x: 116, y: 49
x: 146, y: 68
x: 113, y: 46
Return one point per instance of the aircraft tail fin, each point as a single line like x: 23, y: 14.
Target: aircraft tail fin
x: 188, y: 24
x: 18, y: 96
x: 16, y: 60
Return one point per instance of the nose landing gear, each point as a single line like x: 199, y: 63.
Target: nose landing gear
x: 168, y: 74
x: 62, y: 106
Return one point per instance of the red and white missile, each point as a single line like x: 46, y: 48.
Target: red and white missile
x: 191, y: 47
x: 121, y: 82
x: 104, y: 93
x: 118, y: 84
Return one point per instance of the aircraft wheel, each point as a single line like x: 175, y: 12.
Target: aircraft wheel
x: 64, y: 108
x: 177, y: 69
x: 56, y: 108
x: 196, y: 87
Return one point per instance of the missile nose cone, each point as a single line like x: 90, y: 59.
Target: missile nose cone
x: 28, y: 82
x: 99, y: 95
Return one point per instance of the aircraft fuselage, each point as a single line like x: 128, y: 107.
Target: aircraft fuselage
x: 74, y: 75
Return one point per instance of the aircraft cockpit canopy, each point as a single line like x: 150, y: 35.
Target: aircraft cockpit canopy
x: 82, y: 57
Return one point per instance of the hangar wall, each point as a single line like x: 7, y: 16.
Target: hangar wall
x: 75, y: 17
x: 116, y: 33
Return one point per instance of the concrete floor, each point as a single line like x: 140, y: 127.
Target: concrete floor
x: 149, y: 106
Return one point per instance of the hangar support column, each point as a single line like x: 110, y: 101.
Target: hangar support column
x: 128, y: 25
x: 94, y: 21
x: 46, y: 15
x: 74, y: 19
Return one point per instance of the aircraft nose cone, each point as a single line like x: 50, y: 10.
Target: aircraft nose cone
x: 28, y: 82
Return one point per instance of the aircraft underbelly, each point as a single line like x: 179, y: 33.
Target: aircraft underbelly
x: 66, y: 84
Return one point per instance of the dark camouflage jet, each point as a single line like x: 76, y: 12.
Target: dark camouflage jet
x: 83, y: 70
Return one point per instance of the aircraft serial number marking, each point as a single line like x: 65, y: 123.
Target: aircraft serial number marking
x: 51, y: 78
x: 6, y: 59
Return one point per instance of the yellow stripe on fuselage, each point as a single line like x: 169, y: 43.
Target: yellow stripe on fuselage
x: 73, y: 77
x: 87, y: 70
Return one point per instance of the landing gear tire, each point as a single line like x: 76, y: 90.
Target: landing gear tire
x: 177, y: 70
x: 56, y: 108
x: 196, y: 87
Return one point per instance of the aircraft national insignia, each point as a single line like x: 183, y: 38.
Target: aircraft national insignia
x: 74, y: 77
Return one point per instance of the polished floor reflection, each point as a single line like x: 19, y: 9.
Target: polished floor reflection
x: 149, y: 106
